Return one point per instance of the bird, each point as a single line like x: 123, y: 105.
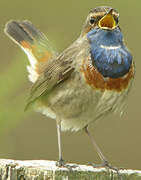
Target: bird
x: 87, y: 81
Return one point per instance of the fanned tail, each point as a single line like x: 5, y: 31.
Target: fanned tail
x: 33, y: 42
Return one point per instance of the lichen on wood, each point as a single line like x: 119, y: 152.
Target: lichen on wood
x: 47, y: 170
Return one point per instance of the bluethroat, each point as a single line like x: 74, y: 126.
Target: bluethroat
x: 86, y: 82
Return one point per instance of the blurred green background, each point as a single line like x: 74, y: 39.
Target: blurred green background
x: 31, y: 135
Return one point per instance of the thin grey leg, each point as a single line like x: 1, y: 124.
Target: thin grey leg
x: 102, y: 157
x: 60, y: 161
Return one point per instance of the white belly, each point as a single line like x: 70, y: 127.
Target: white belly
x: 76, y: 104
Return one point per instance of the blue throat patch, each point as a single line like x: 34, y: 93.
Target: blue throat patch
x: 109, y: 55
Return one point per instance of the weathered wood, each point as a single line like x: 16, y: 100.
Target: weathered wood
x: 47, y: 170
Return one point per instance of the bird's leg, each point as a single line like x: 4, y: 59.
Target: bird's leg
x: 60, y: 162
x: 102, y: 157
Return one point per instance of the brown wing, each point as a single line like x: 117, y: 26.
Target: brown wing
x: 57, y: 71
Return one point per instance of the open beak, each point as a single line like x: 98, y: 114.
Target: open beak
x: 108, y: 21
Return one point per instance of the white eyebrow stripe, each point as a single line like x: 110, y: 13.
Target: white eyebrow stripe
x: 110, y: 47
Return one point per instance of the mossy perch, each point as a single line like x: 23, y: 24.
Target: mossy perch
x: 47, y: 170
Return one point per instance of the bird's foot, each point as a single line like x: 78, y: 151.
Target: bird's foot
x: 61, y: 163
x: 104, y: 164
x: 107, y: 165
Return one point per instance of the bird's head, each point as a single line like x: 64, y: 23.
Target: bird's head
x: 103, y: 17
x: 108, y: 52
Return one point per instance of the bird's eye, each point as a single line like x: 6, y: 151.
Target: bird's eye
x: 92, y: 21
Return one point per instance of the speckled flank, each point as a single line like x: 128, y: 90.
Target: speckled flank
x: 96, y: 80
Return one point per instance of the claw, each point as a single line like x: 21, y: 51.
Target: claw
x: 106, y: 164
x: 60, y: 163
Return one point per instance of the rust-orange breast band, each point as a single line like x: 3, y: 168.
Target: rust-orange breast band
x: 97, y: 81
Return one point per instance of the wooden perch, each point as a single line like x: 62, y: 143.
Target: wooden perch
x: 47, y: 170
